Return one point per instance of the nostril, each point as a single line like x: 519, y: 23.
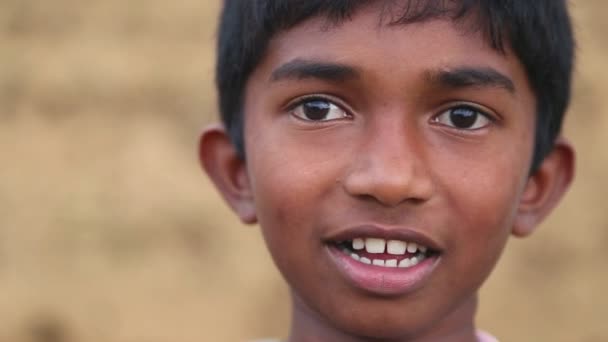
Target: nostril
x: 367, y: 198
x: 416, y: 200
x: 390, y: 202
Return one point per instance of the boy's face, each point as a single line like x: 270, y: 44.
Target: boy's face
x: 420, y: 134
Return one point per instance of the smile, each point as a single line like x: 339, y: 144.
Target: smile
x: 384, y: 260
x: 380, y: 252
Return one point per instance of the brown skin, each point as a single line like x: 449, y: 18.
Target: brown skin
x: 391, y: 159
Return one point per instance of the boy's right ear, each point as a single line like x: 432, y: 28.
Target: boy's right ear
x: 228, y: 172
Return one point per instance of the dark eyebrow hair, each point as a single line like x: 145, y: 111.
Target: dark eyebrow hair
x: 301, y: 68
x: 472, y: 77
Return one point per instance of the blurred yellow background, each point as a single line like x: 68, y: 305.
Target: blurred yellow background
x: 109, y: 231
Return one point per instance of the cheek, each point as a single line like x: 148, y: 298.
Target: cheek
x: 484, y: 201
x: 292, y: 173
x: 288, y: 198
x: 284, y: 188
x: 289, y: 186
x: 482, y: 186
x: 487, y: 203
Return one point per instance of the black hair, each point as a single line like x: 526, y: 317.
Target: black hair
x: 539, y: 32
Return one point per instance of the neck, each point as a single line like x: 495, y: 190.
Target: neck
x: 457, y: 326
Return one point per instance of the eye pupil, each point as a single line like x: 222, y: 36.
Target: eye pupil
x: 316, y: 110
x: 463, y: 117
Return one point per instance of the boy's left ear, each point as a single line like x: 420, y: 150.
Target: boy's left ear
x: 545, y: 188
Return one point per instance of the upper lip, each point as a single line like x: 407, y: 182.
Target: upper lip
x: 386, y: 233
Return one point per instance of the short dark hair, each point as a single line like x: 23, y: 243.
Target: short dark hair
x: 539, y: 32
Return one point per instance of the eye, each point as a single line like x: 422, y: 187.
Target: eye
x: 463, y: 117
x: 318, y: 109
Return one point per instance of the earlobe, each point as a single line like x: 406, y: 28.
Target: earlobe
x: 227, y: 171
x: 545, y: 188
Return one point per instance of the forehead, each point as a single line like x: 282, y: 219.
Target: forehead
x: 373, y: 43
x: 366, y: 32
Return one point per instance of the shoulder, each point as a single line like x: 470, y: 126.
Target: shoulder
x: 483, y: 336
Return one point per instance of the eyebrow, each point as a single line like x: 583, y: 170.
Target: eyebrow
x: 461, y: 77
x: 300, y: 69
x: 472, y: 77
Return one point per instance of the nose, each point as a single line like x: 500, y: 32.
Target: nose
x: 390, y: 168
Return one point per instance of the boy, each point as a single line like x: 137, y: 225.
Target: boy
x: 388, y: 150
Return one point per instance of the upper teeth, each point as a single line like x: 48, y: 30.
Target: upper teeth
x: 394, y: 247
x: 373, y: 245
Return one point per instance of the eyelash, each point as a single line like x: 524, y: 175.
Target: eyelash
x: 479, y: 114
x: 292, y: 107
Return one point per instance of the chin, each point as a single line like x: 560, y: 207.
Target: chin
x: 383, y: 324
x: 382, y: 330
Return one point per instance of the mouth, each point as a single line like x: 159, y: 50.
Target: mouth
x: 384, y: 261
x: 385, y: 253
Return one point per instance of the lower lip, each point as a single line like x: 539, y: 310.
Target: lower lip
x: 383, y: 280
